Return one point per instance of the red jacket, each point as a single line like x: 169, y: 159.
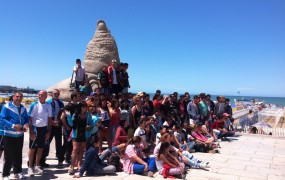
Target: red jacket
x: 111, y: 74
x: 218, y: 124
x: 165, y: 171
x: 120, y: 137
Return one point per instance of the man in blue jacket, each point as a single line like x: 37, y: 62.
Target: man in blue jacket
x: 193, y: 111
x: 14, y: 120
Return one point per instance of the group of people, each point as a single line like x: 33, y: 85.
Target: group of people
x: 112, y: 79
x: 142, y: 134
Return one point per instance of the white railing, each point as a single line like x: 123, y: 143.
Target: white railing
x: 275, y: 132
x: 240, y: 113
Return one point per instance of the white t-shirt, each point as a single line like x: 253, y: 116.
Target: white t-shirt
x: 40, y: 114
x: 159, y: 163
x: 140, y: 132
x: 157, y: 138
x: 157, y: 148
x: 79, y: 76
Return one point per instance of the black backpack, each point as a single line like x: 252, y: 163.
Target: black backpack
x: 115, y: 161
x: 201, y: 148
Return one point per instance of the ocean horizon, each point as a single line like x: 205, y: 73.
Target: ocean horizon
x: 279, y: 101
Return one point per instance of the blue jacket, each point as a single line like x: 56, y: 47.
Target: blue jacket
x: 74, y: 130
x: 10, y: 114
x: 52, y: 103
x: 95, y: 120
x: 91, y: 160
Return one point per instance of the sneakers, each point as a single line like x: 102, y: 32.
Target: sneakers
x: 6, y: 178
x: 204, y: 165
x: 68, y: 161
x: 38, y: 170
x: 199, y: 161
x: 150, y: 174
x: 19, y: 176
x: 30, y: 172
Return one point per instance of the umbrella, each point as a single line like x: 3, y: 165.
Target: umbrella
x: 260, y: 124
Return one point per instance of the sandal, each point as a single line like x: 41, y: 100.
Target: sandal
x: 71, y: 171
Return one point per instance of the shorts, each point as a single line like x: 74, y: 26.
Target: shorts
x: 78, y: 84
x: 1, y: 143
x: 105, y: 124
x: 40, y: 140
x: 80, y: 137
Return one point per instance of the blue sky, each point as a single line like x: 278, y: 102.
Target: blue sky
x: 217, y: 47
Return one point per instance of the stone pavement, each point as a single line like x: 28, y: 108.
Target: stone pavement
x: 245, y: 157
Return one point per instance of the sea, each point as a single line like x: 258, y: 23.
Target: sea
x: 278, y: 101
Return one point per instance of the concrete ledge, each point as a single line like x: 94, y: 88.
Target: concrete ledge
x: 246, y: 157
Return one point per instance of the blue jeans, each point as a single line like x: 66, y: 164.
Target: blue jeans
x: 191, y: 144
x: 93, y: 162
x: 190, y: 159
x: 139, y: 168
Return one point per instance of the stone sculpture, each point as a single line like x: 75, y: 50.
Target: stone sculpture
x: 99, y: 53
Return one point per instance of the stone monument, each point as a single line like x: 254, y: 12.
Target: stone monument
x: 99, y: 53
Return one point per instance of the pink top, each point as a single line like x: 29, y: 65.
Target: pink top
x: 199, y: 136
x: 128, y: 160
x: 120, y: 137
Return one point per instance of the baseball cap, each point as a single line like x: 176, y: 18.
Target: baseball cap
x: 226, y: 114
x: 140, y: 94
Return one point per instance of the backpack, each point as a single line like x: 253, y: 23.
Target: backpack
x: 201, y: 148
x: 115, y: 161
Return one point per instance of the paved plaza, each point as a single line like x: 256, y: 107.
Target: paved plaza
x: 245, y: 157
